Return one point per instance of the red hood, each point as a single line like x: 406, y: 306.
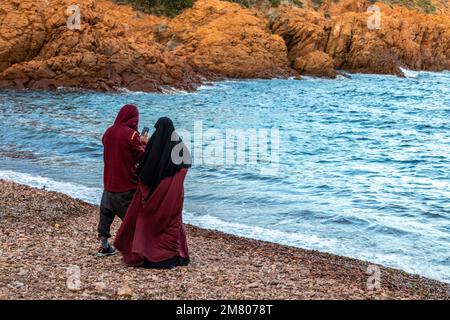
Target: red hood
x: 128, y: 116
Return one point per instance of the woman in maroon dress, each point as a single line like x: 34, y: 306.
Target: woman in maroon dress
x: 152, y: 234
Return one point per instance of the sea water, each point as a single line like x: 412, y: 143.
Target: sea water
x: 363, y: 168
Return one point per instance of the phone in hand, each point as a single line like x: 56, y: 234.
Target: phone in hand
x: 145, y: 131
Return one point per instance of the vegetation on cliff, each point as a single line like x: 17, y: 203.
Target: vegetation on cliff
x: 168, y: 8
x: 425, y: 6
x: 171, y: 8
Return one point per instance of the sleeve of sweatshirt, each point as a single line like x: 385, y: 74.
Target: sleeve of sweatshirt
x: 137, y: 147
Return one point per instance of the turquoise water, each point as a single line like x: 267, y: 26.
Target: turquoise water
x: 364, y: 168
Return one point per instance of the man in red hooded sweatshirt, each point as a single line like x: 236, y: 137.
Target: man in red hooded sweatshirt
x: 123, y: 149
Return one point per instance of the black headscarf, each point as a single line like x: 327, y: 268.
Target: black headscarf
x: 157, y: 162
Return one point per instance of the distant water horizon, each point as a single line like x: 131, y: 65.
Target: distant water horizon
x: 364, y: 164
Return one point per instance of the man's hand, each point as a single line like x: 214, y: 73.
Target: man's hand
x: 144, y: 138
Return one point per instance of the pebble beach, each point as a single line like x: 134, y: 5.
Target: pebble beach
x: 44, y: 236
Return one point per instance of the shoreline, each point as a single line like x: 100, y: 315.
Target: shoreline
x: 45, y: 232
x: 346, y: 74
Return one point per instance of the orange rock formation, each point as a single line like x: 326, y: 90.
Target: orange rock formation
x: 117, y: 47
x: 344, y: 41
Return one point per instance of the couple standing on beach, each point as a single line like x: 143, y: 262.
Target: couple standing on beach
x: 143, y: 186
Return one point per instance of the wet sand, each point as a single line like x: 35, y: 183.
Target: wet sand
x: 42, y: 234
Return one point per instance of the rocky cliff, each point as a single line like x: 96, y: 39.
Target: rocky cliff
x: 116, y: 47
x: 346, y: 38
x: 113, y: 48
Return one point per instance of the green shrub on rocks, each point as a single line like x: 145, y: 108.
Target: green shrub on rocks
x: 172, y: 8
x: 317, y: 3
x: 425, y: 6
x: 243, y: 3
x: 168, y: 8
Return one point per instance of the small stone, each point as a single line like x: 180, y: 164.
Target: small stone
x: 155, y: 278
x: 125, y: 291
x: 100, y: 286
x: 17, y: 284
x: 23, y: 272
x: 74, y: 288
x: 252, y: 285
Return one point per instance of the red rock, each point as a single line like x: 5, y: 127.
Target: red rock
x: 316, y: 63
x: 118, y: 48
x: 225, y: 39
x: 39, y: 51
x: 405, y: 39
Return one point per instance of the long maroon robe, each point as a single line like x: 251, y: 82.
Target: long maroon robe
x: 153, y: 229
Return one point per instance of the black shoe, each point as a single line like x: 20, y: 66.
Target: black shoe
x: 102, y: 252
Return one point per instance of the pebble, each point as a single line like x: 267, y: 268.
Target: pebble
x: 100, y: 286
x: 125, y: 291
x: 17, y: 284
x: 23, y: 272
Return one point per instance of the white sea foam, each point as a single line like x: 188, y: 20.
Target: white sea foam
x: 316, y: 79
x: 72, y: 89
x: 78, y: 191
x: 206, y: 87
x: 172, y: 90
x: 127, y: 91
x: 295, y: 239
x: 92, y: 195
x: 409, y: 73
x: 287, y: 238
x: 64, y: 88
